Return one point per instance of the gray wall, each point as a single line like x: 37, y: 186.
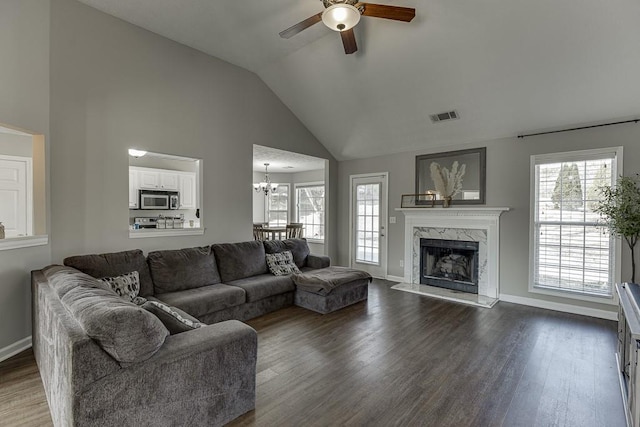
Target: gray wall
x: 113, y: 86
x: 24, y: 103
x: 16, y: 145
x: 507, y: 185
x: 105, y: 86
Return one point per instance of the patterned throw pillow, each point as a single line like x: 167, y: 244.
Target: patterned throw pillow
x: 174, y: 319
x: 281, y: 264
x: 127, y: 286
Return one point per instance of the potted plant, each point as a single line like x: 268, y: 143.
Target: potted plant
x: 620, y: 210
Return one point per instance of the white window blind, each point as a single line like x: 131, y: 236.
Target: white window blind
x: 310, y: 212
x: 570, y: 252
x: 278, y: 206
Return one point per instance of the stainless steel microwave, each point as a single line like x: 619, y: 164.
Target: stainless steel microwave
x: 159, y: 200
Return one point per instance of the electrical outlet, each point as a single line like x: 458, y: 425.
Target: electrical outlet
x: 392, y: 220
x: 401, y: 263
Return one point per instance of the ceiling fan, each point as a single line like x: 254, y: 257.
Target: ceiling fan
x: 343, y: 15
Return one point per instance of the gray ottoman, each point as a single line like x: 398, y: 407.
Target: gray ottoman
x: 330, y: 289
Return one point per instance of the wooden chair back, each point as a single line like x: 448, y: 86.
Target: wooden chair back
x: 294, y: 230
x: 258, y: 232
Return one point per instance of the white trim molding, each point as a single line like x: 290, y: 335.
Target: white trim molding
x: 162, y: 232
x: 15, y: 348
x: 556, y: 306
x: 395, y: 278
x: 23, y: 242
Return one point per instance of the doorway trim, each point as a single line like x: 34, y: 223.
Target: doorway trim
x: 385, y: 201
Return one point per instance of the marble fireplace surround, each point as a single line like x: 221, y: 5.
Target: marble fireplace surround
x: 476, y: 224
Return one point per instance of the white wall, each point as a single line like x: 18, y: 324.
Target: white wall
x: 113, y: 86
x: 507, y: 185
x: 24, y: 103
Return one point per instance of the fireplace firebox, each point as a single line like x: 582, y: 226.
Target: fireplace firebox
x: 451, y: 264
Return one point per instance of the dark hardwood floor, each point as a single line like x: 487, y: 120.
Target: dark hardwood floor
x: 405, y: 359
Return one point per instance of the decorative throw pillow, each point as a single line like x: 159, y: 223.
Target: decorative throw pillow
x: 126, y: 286
x: 174, y: 319
x: 281, y: 264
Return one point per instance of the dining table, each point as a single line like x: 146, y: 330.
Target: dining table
x: 275, y: 230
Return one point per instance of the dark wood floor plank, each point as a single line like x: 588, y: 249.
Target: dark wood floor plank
x: 404, y: 359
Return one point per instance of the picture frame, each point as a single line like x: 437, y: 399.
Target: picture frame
x: 473, y: 182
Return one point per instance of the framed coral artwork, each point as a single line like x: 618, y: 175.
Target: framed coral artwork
x: 454, y: 176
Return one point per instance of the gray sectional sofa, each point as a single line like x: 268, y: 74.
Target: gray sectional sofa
x: 105, y: 361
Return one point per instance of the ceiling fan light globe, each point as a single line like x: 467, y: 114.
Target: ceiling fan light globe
x: 341, y: 17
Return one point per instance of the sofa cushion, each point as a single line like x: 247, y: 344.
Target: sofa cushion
x: 264, y: 286
x: 127, y: 332
x: 174, y: 319
x: 281, y: 264
x: 181, y: 269
x: 298, y: 247
x: 115, y: 264
x: 240, y: 260
x: 127, y: 286
x: 207, y: 299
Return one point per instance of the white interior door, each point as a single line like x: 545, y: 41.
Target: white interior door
x: 369, y: 223
x: 15, y: 199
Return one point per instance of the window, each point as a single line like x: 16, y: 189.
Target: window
x: 310, y: 212
x: 569, y: 252
x: 278, y: 206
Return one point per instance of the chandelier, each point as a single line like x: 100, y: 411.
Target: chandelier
x: 265, y: 186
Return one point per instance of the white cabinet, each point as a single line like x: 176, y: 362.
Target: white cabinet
x: 168, y: 181
x: 187, y: 188
x: 133, y: 189
x: 149, y: 179
x: 627, y: 351
x: 163, y: 180
x: 156, y: 179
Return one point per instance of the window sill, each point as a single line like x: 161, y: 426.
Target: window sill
x: 316, y: 241
x: 23, y: 242
x: 165, y: 232
x: 610, y: 300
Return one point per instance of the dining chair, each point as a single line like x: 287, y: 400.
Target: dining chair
x: 294, y: 230
x: 258, y: 232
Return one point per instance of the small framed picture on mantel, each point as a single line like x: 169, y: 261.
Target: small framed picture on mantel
x: 459, y: 176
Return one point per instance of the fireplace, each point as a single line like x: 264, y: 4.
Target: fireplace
x: 451, y: 264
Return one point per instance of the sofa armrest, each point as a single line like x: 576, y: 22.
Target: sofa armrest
x: 209, y: 338
x: 318, y: 261
x: 206, y: 376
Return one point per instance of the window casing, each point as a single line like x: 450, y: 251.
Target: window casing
x: 570, y: 254
x: 310, y: 210
x: 278, y: 206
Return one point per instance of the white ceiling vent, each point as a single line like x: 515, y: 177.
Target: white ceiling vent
x: 443, y: 117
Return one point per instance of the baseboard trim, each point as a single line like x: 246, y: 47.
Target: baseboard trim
x: 15, y: 348
x: 395, y: 278
x: 556, y: 306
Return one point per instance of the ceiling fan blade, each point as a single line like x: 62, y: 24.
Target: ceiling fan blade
x: 302, y: 25
x: 349, y: 41
x: 396, y: 13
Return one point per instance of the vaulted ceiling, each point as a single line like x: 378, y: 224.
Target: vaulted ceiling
x: 506, y: 66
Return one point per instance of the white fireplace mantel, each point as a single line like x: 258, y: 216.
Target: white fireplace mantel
x: 480, y: 224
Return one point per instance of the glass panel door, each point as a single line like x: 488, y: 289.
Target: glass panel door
x: 368, y: 223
